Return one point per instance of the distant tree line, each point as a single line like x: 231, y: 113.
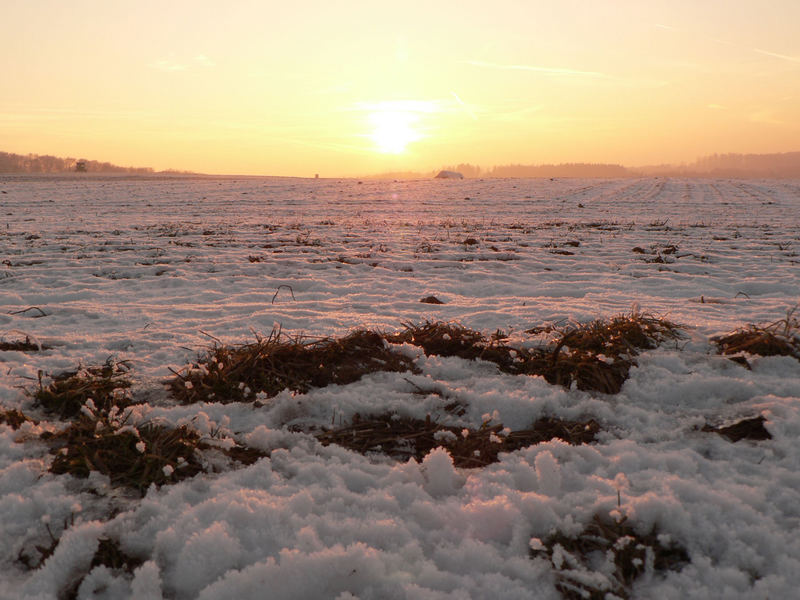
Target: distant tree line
x: 35, y: 163
x: 560, y: 170
x: 779, y: 165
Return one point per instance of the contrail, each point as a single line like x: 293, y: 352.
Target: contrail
x: 464, y: 106
x: 776, y: 55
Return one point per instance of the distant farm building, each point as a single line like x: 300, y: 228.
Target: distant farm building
x: 80, y: 166
x: 449, y: 175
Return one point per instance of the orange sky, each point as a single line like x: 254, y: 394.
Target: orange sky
x: 358, y: 87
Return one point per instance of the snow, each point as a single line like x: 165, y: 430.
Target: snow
x: 146, y: 269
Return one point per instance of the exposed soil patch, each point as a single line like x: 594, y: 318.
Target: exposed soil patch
x: 403, y: 438
x: 108, y: 554
x: 268, y: 366
x: 606, y: 558
x: 746, y: 429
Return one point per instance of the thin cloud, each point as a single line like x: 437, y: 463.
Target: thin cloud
x: 203, y: 61
x: 464, y: 106
x: 537, y: 69
x: 776, y: 55
x: 168, y: 65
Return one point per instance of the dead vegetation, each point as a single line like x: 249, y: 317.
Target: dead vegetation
x: 269, y: 365
x: 746, y: 429
x: 592, y: 357
x: 621, y: 335
x: 109, y: 554
x: 604, y: 559
x: 14, y: 418
x: 64, y: 394
x: 135, y: 457
x: 781, y: 338
x: 403, y: 438
x: 26, y: 345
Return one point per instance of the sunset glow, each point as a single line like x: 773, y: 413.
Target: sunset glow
x: 353, y: 88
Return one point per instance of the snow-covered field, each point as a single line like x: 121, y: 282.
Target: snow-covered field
x: 145, y: 270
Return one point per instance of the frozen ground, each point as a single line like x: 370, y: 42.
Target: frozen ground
x: 145, y: 270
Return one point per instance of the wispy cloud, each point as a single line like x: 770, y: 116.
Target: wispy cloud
x: 202, y: 60
x: 168, y: 64
x: 464, y: 106
x: 776, y: 55
x: 537, y: 69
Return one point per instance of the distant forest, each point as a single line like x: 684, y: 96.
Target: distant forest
x: 785, y: 165
x: 35, y: 163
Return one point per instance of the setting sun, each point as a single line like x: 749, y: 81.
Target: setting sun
x: 393, y: 130
x: 272, y: 89
x: 396, y: 124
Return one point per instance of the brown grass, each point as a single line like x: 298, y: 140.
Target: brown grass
x: 621, y: 335
x: 67, y: 392
x: 270, y: 365
x: 25, y: 345
x: 620, y: 546
x: 781, y: 338
x: 106, y: 445
x: 99, y: 445
x: 573, y: 358
x: 14, y: 418
x: 402, y: 438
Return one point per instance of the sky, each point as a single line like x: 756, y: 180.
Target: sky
x: 352, y: 87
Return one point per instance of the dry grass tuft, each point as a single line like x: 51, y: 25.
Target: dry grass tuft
x: 606, y: 558
x: 781, y: 338
x: 621, y: 335
x: 453, y: 339
x: 268, y: 366
x: 14, y: 418
x: 402, y: 438
x: 105, y: 385
x: 131, y: 457
x: 583, y: 370
x: 746, y: 429
x: 26, y: 345
x: 135, y: 457
x: 592, y: 357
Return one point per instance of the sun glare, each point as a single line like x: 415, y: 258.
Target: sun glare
x: 396, y: 124
x: 393, y: 130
